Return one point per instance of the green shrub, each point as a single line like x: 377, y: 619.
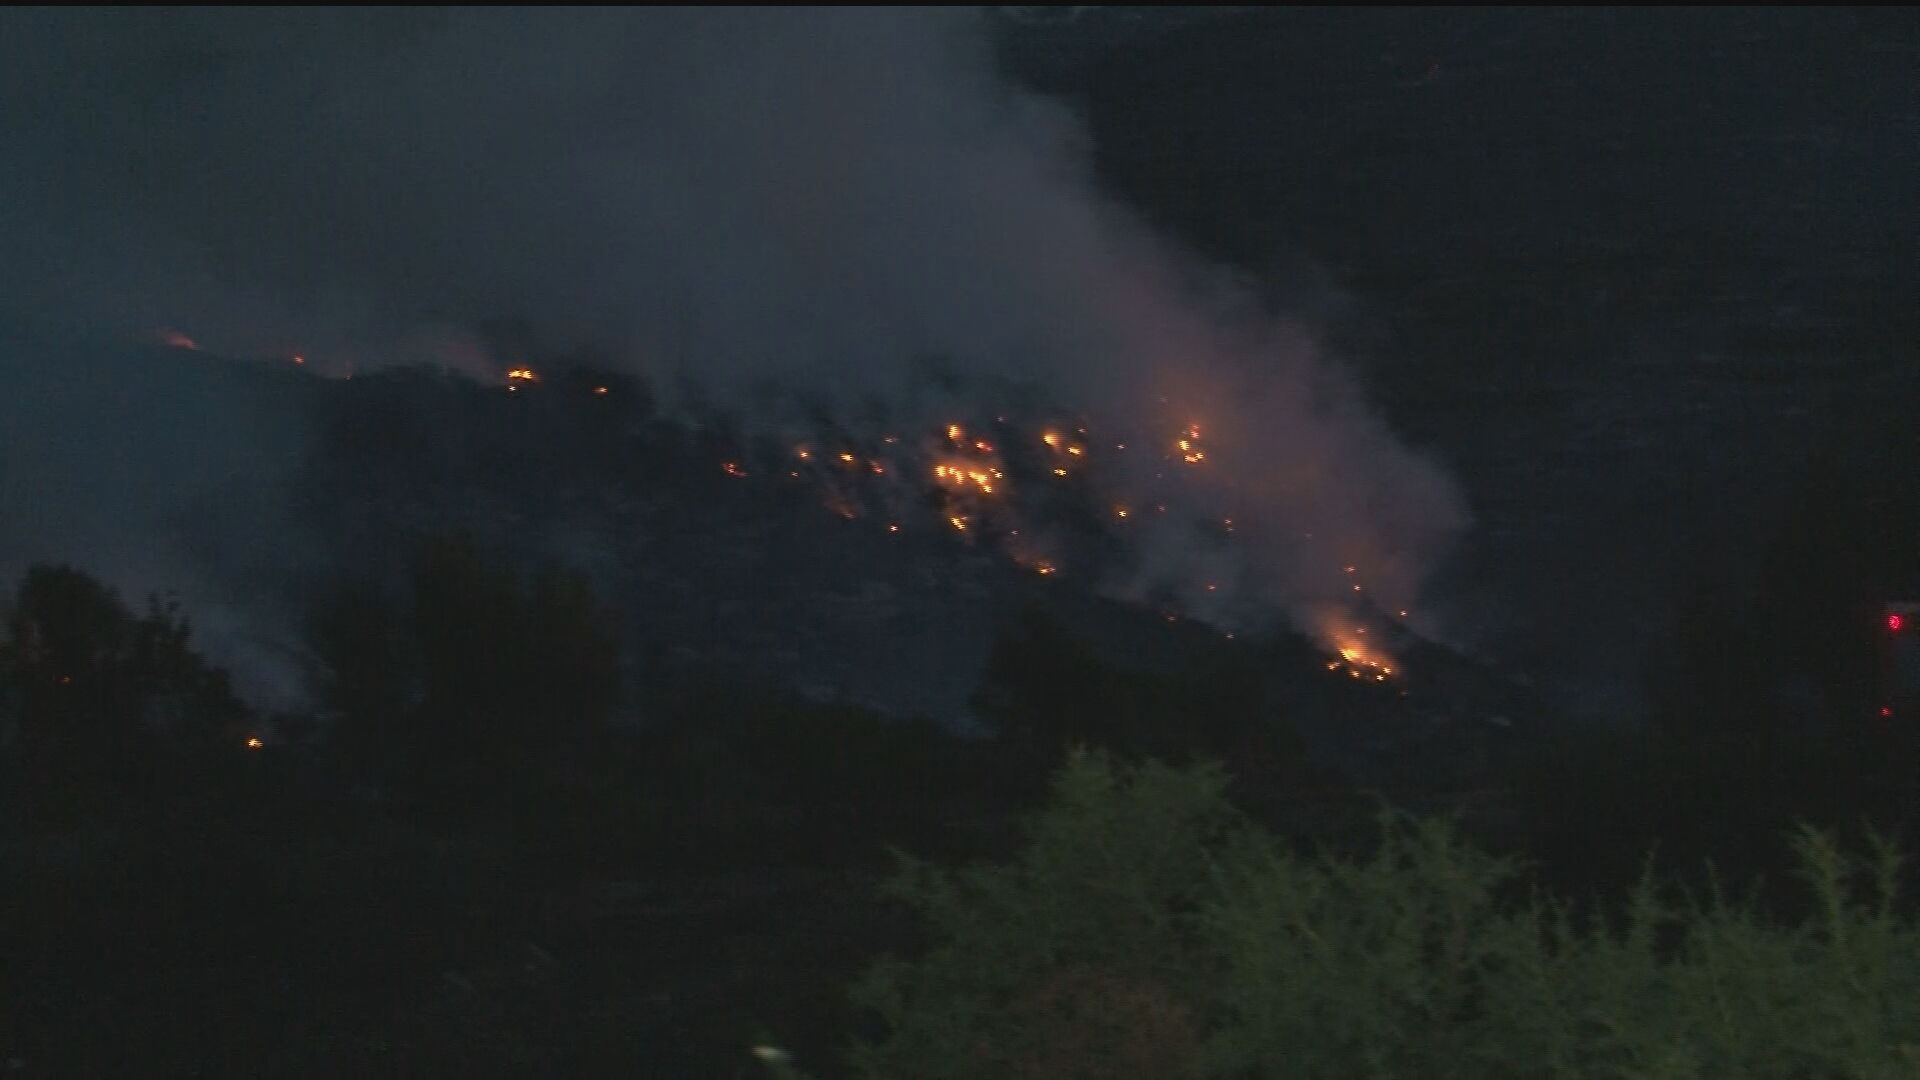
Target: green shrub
x: 1147, y: 929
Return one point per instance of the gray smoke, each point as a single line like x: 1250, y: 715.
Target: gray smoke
x: 817, y: 200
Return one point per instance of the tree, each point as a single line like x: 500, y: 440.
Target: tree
x: 476, y: 679
x: 104, y: 699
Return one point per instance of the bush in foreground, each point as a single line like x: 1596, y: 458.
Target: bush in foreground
x: 1147, y: 929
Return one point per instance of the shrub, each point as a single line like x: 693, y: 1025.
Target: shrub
x: 1147, y: 929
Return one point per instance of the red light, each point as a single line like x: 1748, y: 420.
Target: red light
x: 1895, y: 622
x: 1886, y: 711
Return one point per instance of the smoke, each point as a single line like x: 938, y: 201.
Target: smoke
x: 820, y: 202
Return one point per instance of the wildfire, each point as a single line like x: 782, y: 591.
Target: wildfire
x: 1189, y: 446
x: 960, y: 476
x: 1357, y: 660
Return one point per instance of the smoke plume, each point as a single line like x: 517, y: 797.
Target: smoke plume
x: 815, y: 202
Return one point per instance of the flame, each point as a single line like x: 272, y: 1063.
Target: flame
x: 522, y: 374
x: 1189, y: 446
x: 959, y: 477
x: 1357, y: 659
x: 953, y: 433
x: 846, y: 457
x: 254, y: 743
x: 1051, y: 439
x: 1059, y: 472
x: 1075, y: 451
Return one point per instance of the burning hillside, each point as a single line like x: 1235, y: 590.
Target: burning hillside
x: 1020, y: 488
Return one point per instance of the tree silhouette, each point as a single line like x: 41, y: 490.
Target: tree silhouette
x: 476, y: 680
x: 104, y: 701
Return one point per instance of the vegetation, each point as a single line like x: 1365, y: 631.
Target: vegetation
x: 473, y: 867
x: 1147, y: 929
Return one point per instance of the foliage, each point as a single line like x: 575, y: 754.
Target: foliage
x: 475, y: 679
x: 1148, y: 930
x: 99, y: 699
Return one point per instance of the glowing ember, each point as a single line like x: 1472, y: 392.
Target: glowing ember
x: 600, y: 390
x: 1075, y: 451
x: 299, y: 359
x: 1120, y: 511
x: 983, y: 446
x: 521, y: 374
x: 893, y: 526
x: 1189, y: 446
x: 1059, y: 472
x: 953, y: 432
x: 1895, y: 622
x: 803, y: 453
x: 847, y: 458
x: 876, y: 467
x: 254, y: 743
x: 1051, y: 439
x: 732, y: 468
x: 958, y: 521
